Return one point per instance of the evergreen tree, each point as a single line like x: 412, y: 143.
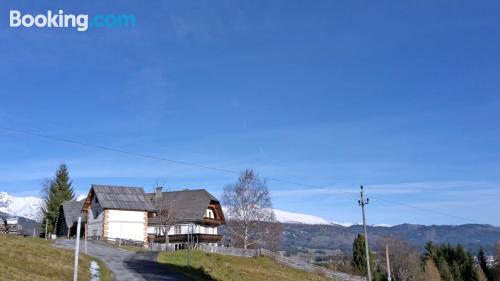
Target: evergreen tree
x: 483, y: 263
x: 57, y: 190
x: 359, y: 256
x: 496, y: 265
x: 453, y: 263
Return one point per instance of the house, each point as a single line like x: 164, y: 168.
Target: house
x: 67, y: 219
x: 123, y: 213
x: 116, y: 213
x: 188, y: 216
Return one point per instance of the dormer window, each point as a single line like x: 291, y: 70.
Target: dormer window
x: 209, y: 213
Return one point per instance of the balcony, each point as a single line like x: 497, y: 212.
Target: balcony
x: 209, y: 221
x: 196, y: 238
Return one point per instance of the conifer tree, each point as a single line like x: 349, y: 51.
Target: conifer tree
x: 483, y: 264
x: 359, y: 256
x: 57, y: 190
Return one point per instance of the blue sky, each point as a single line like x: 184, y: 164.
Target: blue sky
x: 402, y: 97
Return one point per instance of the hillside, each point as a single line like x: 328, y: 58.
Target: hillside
x: 472, y: 236
x: 205, y: 267
x: 36, y: 259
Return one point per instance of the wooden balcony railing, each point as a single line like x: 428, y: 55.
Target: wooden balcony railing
x: 196, y: 238
x: 209, y: 221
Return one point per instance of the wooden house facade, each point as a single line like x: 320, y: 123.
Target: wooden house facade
x: 194, y: 218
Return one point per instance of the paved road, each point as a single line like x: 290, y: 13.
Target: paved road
x: 127, y: 265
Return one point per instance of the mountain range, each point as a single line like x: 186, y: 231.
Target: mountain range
x: 28, y: 207
x: 338, y: 237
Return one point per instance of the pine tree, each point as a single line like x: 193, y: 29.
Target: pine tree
x: 57, y: 191
x: 483, y: 264
x: 359, y: 256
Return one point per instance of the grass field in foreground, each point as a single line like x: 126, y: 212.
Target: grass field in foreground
x: 36, y: 259
x: 228, y: 268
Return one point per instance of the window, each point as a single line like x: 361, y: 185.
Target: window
x: 209, y: 213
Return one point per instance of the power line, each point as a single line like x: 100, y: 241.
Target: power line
x: 223, y: 170
x: 152, y: 157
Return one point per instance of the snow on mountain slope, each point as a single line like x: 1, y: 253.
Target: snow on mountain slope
x: 289, y: 217
x: 28, y: 207
x: 81, y: 197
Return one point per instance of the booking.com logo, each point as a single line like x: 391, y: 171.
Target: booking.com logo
x: 82, y: 22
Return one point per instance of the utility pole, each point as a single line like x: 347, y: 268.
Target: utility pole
x: 389, y: 278
x: 46, y: 227
x: 362, y: 203
x: 77, y: 249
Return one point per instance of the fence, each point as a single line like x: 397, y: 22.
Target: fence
x: 230, y: 251
x: 303, y: 265
x: 161, y: 247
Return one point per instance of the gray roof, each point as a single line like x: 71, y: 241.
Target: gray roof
x: 121, y: 197
x: 72, y: 210
x: 187, y: 205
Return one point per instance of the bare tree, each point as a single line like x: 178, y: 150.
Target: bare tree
x: 431, y: 272
x: 405, y: 259
x: 166, y: 212
x: 275, y: 236
x: 249, y: 209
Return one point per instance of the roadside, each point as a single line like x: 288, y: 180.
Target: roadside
x: 127, y: 265
x: 36, y: 259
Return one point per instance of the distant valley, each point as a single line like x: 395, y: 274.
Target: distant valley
x: 471, y: 236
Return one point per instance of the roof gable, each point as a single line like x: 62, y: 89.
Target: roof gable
x: 121, y: 197
x: 187, y: 205
x: 71, y: 211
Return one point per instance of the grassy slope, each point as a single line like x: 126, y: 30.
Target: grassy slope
x: 226, y: 268
x: 36, y: 259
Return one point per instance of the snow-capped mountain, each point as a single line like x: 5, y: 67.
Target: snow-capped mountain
x: 298, y: 218
x: 28, y: 207
x: 289, y: 217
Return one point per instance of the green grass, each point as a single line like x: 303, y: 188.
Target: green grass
x: 36, y: 259
x: 228, y: 268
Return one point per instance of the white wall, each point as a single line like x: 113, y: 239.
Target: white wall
x: 126, y: 225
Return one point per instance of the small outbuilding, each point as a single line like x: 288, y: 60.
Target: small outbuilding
x: 67, y: 219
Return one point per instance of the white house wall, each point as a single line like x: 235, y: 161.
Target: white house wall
x: 126, y: 224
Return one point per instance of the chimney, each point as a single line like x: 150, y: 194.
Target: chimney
x: 158, y: 194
